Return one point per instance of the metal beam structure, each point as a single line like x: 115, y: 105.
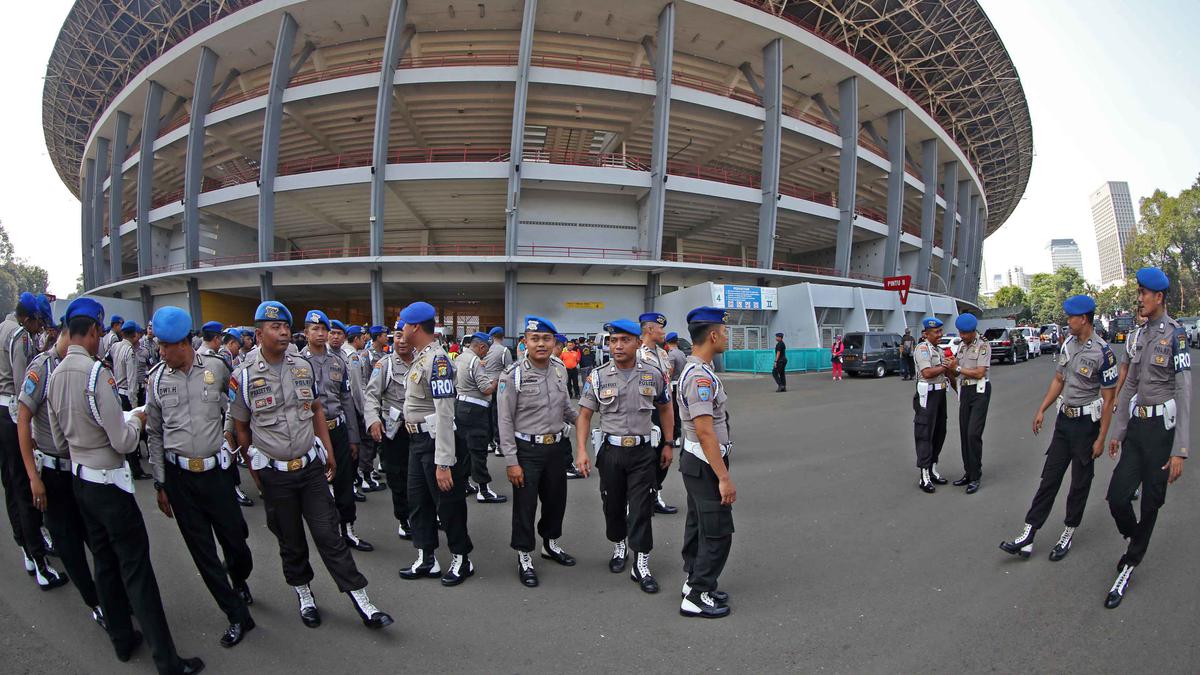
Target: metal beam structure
x: 847, y: 172
x: 145, y: 182
x: 772, y: 95
x: 663, y: 60
x: 929, y: 167
x: 895, y: 195
x: 379, y: 143
x: 116, y: 195
x: 950, y: 194
x: 193, y: 175
x: 268, y: 166
x: 98, y: 272
x: 516, y: 144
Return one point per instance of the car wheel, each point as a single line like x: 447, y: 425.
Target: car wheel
x: 880, y: 369
x: 1012, y: 357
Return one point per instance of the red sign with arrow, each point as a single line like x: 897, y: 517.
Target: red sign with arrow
x: 900, y: 284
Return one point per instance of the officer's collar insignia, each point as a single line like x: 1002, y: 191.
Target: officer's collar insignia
x: 262, y: 365
x: 271, y: 312
x: 1163, y: 341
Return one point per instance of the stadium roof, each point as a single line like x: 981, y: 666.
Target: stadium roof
x: 944, y: 54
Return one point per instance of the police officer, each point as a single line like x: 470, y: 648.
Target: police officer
x: 704, y: 463
x: 210, y: 338
x: 231, y: 353
x: 651, y: 351
x: 112, y: 337
x: 341, y: 340
x: 471, y: 415
x: 85, y: 416
x: 231, y: 347
x: 494, y: 362
x: 625, y: 391
x: 929, y: 402
x: 974, y: 360
x: 128, y: 366
x: 438, y: 466
x: 377, y: 349
x: 560, y: 345
x: 587, y: 357
x: 185, y: 419
x: 332, y: 377
x: 1083, y: 390
x: 280, y: 420
x: 16, y: 351
x: 779, y: 371
x: 678, y: 360
x: 384, y: 417
x: 1153, y: 424
x: 534, y: 409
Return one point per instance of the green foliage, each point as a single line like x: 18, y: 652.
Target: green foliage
x: 1047, y: 292
x: 1010, y: 296
x: 1168, y: 237
x: 17, y: 275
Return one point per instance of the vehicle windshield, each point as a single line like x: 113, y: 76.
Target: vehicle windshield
x: 853, y: 342
x: 1047, y: 330
x: 993, y: 334
x: 1122, y: 323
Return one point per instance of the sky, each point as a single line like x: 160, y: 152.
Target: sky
x: 1111, y: 84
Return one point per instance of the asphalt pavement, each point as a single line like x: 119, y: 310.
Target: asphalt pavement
x: 840, y: 564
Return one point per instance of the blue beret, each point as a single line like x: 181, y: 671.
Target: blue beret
x: 418, y: 312
x: 1078, y: 304
x: 624, y: 326
x: 966, y: 323
x: 376, y: 330
x: 272, y: 310
x: 707, y: 315
x: 212, y: 327
x: 116, y: 318
x: 28, y: 303
x: 399, y: 325
x: 354, y: 331
x: 930, y: 322
x: 653, y: 316
x: 171, y: 324
x: 44, y: 310
x: 495, y: 330
x: 316, y: 316
x: 671, y: 337
x: 131, y: 325
x: 560, y: 338
x: 779, y: 335
x: 235, y: 333
x: 536, y: 324
x: 85, y: 307
x: 1153, y: 279
x: 479, y: 335
x: 337, y: 325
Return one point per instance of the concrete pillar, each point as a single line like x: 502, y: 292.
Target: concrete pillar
x: 847, y: 172
x: 950, y: 194
x: 928, y: 212
x: 954, y: 238
x: 977, y: 258
x: 663, y: 62
x: 266, y: 287
x: 193, y: 293
x: 895, y: 194
x: 116, y: 195
x: 193, y: 176
x: 87, y: 250
x: 966, y: 256
x: 99, y: 273
x: 516, y: 143
x: 393, y: 49
x: 145, y: 182
x: 268, y: 166
x: 510, y: 302
x: 147, y: 302
x: 768, y: 211
x: 377, y: 318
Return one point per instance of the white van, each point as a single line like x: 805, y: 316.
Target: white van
x: 1033, y: 338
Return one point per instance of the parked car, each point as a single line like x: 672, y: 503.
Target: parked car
x: 1050, y: 336
x: 874, y: 353
x: 1033, y: 338
x: 950, y: 345
x: 1008, y: 345
x: 1119, y: 328
x: 1192, y: 324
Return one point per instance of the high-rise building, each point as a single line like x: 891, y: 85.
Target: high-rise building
x: 1018, y: 278
x: 1112, y: 213
x: 1065, y: 253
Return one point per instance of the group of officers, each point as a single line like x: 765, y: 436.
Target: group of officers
x: 1141, y: 406
x: 78, y: 406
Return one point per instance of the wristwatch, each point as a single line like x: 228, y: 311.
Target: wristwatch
x: 158, y: 486
x: 444, y: 466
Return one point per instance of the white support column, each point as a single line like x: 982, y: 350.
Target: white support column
x: 516, y: 144
x: 663, y: 62
x: 99, y: 275
x: 193, y: 176
x: 950, y: 194
x: 116, y: 195
x: 87, y: 250
x: 145, y: 183
x: 928, y: 213
x: 772, y: 96
x: 393, y: 49
x: 377, y: 318
x: 847, y: 173
x: 895, y: 194
x: 268, y: 167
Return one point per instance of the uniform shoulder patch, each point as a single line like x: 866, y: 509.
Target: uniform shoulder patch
x: 31, y: 382
x: 441, y: 380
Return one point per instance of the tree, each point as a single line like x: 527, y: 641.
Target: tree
x: 1010, y: 296
x: 1168, y: 237
x: 1117, y: 299
x: 1047, y: 292
x: 16, y: 274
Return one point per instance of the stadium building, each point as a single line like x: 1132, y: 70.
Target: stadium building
x: 577, y: 159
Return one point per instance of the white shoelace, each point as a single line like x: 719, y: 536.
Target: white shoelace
x: 707, y: 599
x: 619, y: 549
x: 1118, y: 586
x: 306, y: 596
x: 643, y: 564
x: 925, y: 476
x: 364, y: 603
x: 1065, y: 540
x: 934, y: 472
x: 552, y: 544
x: 525, y: 560
x: 418, y: 562
x: 1024, y: 534
x: 350, y: 533
x: 400, y: 529
x: 456, y: 562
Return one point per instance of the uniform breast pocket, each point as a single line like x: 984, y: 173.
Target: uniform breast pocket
x: 1086, y: 368
x: 1162, y: 364
x: 646, y: 401
x: 529, y: 389
x: 171, y: 401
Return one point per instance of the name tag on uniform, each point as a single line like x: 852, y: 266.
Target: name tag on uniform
x: 304, y: 393
x: 608, y: 392
x: 264, y: 402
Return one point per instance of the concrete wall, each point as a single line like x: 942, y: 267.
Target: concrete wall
x: 549, y: 301
x: 577, y: 218
x: 126, y: 309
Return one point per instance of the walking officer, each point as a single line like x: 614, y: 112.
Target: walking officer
x: 974, y: 360
x: 341, y: 340
x: 185, y: 420
x: 332, y: 378
x: 438, y: 466
x: 704, y: 463
x: 210, y: 338
x: 779, y: 372
x: 471, y: 415
x: 231, y: 347
x: 112, y: 337
x: 129, y: 369
x: 1082, y: 390
x: 383, y: 414
x: 651, y: 351
x: 934, y: 373
x: 534, y: 408
x: 231, y: 353
x: 625, y: 391
x: 280, y: 420
x: 1152, y: 426
x: 86, y: 417
x: 377, y: 349
x: 494, y: 362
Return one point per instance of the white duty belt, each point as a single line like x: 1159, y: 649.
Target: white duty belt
x: 1091, y: 409
x: 194, y: 464
x: 260, y: 460
x: 472, y: 399
x: 6, y: 400
x: 539, y: 439
x: 45, y: 461
x: 694, y: 448
x: 120, y: 477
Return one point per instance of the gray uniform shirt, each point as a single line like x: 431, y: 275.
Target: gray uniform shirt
x: 471, y: 377
x: 678, y: 362
x: 384, y: 399
x: 185, y: 412
x: 1161, y: 370
x: 33, y: 397
x: 702, y: 393
x: 625, y: 398
x: 95, y: 445
x: 430, y: 391
x: 277, y: 400
x: 1085, y: 368
x: 658, y: 357
x: 8, y: 375
x: 129, y: 368
x: 106, y: 344
x: 532, y: 401
x: 497, y: 359
x: 332, y: 377
x: 929, y: 356
x: 358, y: 381
x: 978, y: 354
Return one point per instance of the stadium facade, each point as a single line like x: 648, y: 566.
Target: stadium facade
x: 578, y: 159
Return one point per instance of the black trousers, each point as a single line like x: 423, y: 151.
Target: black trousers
x: 1070, y: 446
x: 708, y: 530
x: 66, y: 525
x: 367, y: 448
x: 427, y: 503
x: 1144, y: 453
x: 345, y: 475
x: 393, y: 457
x: 26, y: 521
x: 472, y: 434
x: 204, y: 507
x: 493, y: 420
x: 660, y: 474
x: 125, y: 578
x: 626, y: 482
x: 545, y: 480
x: 292, y: 498
x: 573, y: 382
x: 135, y: 458
x: 906, y: 366
x: 929, y: 427
x: 779, y: 373
x: 972, y: 415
